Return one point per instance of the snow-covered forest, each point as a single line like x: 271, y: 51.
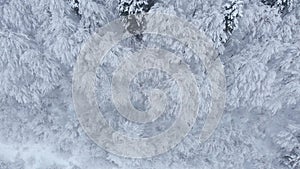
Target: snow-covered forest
x: 258, y: 42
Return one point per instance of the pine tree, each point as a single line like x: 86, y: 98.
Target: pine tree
x: 133, y: 14
x: 284, y: 6
x: 131, y: 7
x: 232, y: 12
x: 75, y: 6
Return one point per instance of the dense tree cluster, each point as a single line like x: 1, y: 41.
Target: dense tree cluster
x: 259, y: 47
